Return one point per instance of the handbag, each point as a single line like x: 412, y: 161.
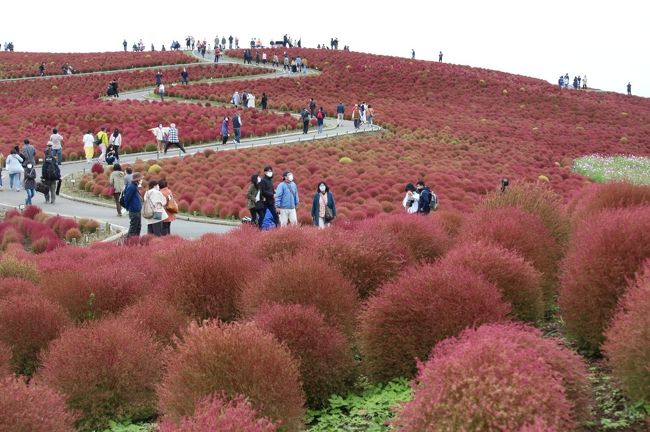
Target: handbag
x: 172, y: 205
x: 111, y: 190
x: 147, y: 208
x: 42, y: 188
x: 329, y: 214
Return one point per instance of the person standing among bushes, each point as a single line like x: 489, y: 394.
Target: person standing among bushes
x: 267, y: 195
x: 224, y: 131
x: 115, y: 141
x: 159, y: 132
x: 287, y: 200
x: 173, y: 139
x: 161, y: 92
x: 254, y: 200
x: 154, y: 198
x: 102, y: 142
x: 236, y: 127
x: 50, y: 174
x: 340, y: 112
x: 158, y: 79
x: 305, y: 120
x: 185, y: 76
x: 424, y: 202
x: 320, y: 116
x: 356, y: 116
x: 171, y: 207
x: 30, y: 153
x: 411, y: 199
x: 116, y: 180
x: 133, y: 204
x: 265, y: 102
x: 30, y: 182
x: 57, y: 145
x: 312, y: 107
x: 89, y: 145
x: 323, y: 208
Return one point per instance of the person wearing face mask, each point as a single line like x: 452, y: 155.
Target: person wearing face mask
x: 132, y: 202
x: 287, y: 200
x: 268, y: 197
x: 323, y: 208
x: 254, y: 199
x: 157, y: 201
x: 30, y: 182
x: 411, y: 199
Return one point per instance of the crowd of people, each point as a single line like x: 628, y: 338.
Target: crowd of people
x: 578, y: 82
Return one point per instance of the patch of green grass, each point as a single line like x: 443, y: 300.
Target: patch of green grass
x: 370, y: 410
x: 130, y: 427
x: 602, y: 169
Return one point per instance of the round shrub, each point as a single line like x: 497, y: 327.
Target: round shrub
x: 88, y: 225
x: 32, y: 408
x: 277, y: 244
x: 217, y: 414
x: 157, y: 316
x: 326, y: 362
x: 479, y: 383
x: 606, y: 196
x: 516, y: 279
x: 210, y: 287
x: 627, y: 344
x: 450, y: 220
x: 72, y: 233
x: 12, y: 285
x: 522, y: 232
x: 107, y: 370
x: 604, y: 253
x: 31, y: 210
x: 307, y: 280
x: 425, y: 305
x: 28, y: 324
x: 10, y: 266
x: 233, y: 359
x: 421, y: 237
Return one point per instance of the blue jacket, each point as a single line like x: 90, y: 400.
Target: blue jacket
x: 286, y: 196
x: 132, y: 198
x: 315, y: 206
x: 340, y: 109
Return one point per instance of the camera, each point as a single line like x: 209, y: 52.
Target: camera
x: 504, y: 184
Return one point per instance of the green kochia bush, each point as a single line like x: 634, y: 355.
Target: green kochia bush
x: 423, y: 306
x: 233, y: 359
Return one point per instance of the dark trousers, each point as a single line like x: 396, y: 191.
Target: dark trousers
x: 50, y: 196
x: 237, y: 134
x: 270, y: 207
x: 256, y: 215
x: 116, y: 196
x: 305, y: 126
x: 135, y: 224
x: 177, y: 144
x: 224, y: 139
x: 166, y: 228
x: 155, y: 229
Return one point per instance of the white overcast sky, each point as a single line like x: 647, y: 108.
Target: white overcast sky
x: 607, y: 40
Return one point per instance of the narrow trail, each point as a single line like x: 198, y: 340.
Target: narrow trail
x: 184, y: 226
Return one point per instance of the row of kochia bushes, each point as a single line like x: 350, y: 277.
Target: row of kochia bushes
x: 243, y: 331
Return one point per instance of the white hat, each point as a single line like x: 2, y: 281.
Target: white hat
x: 50, y: 144
x: 172, y: 125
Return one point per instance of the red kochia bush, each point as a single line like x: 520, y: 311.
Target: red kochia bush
x: 607, y: 196
x: 425, y: 305
x: 158, y: 316
x: 325, y: 356
x: 627, y: 344
x: 232, y: 359
x: 516, y: 279
x: 13, y: 285
x: 303, y: 279
x: 32, y: 408
x: 107, y: 370
x: 217, y: 414
x: 277, y: 244
x: 28, y: 324
x: 603, y: 254
x: 209, y: 282
x: 520, y: 231
x: 479, y: 382
x: 422, y: 237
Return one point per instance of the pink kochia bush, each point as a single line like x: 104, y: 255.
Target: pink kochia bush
x: 604, y: 253
x: 230, y: 360
x: 157, y: 316
x: 326, y: 362
x: 222, y: 415
x: 607, y: 196
x: 498, y: 378
x: 32, y: 408
x: 516, y: 279
x: 423, y: 306
x: 304, y: 279
x: 627, y: 344
x: 107, y: 370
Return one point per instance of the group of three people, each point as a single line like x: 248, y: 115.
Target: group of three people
x: 157, y: 206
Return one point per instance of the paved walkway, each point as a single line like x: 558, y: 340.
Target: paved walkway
x: 184, y: 228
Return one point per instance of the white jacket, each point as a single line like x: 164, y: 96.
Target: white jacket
x: 413, y: 208
x: 158, y: 202
x: 14, y: 164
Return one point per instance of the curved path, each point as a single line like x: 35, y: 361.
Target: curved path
x: 185, y: 227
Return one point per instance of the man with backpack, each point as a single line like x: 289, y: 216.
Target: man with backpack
x: 131, y: 201
x: 50, y: 174
x: 428, y: 200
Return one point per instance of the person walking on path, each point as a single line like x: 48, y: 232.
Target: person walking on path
x: 155, y: 199
x: 115, y: 141
x: 287, y: 200
x: 320, y: 117
x: 224, y: 131
x: 57, y: 145
x: 254, y: 200
x: 89, y: 145
x: 323, y: 207
x: 30, y: 182
x: 265, y: 102
x: 236, y: 127
x: 14, y: 166
x: 275, y: 61
x: 29, y: 152
x: 116, y: 180
x: 356, y: 117
x: 267, y: 196
x: 305, y: 120
x: 629, y: 89
x: 161, y: 92
x: 158, y: 78
x: 185, y: 76
x: 173, y: 139
x: 133, y: 204
x: 50, y: 174
x: 440, y: 57
x: 102, y: 141
x: 236, y: 99
x: 340, y: 112
x: 371, y: 115
x: 171, y: 207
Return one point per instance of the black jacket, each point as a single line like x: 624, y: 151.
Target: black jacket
x: 266, y: 190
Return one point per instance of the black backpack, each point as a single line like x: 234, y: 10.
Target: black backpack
x: 49, y: 169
